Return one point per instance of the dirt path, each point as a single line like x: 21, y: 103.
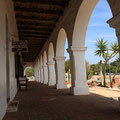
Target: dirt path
x: 105, y: 92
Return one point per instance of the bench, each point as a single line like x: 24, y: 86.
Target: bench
x: 22, y: 82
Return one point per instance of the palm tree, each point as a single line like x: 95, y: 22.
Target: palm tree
x: 118, y: 60
x: 102, y: 50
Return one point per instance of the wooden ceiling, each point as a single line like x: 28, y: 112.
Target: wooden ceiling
x: 36, y: 20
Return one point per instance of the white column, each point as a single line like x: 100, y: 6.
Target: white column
x: 45, y: 73
x: 41, y: 77
x: 78, y: 71
x: 39, y: 74
x: 35, y: 75
x: 60, y: 73
x: 51, y: 73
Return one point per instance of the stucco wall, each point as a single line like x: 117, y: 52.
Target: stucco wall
x: 6, y: 9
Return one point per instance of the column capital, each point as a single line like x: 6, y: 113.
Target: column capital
x: 44, y: 66
x: 41, y: 67
x: 76, y: 49
x: 59, y: 58
x: 114, y: 22
x: 50, y: 63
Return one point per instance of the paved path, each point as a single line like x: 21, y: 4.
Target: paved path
x: 106, y: 92
x: 40, y: 102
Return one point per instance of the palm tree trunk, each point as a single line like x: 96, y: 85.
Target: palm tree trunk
x: 116, y: 71
x: 104, y: 74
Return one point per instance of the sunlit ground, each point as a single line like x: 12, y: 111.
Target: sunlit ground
x: 106, y: 92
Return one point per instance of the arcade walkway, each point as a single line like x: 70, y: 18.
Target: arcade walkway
x: 40, y: 102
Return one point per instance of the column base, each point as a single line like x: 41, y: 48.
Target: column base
x: 83, y: 90
x: 41, y: 82
x: 51, y: 84
x: 45, y: 83
x: 61, y: 86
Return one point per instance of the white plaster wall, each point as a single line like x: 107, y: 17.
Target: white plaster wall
x: 2, y: 62
x: 6, y: 8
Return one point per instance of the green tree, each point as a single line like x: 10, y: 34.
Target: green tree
x: 29, y: 72
x: 67, y: 68
x: 89, y: 72
x: 117, y: 67
x: 94, y: 68
x: 67, y: 65
x: 107, y: 54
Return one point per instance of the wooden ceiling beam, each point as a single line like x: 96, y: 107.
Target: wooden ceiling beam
x: 40, y: 15
x: 20, y: 23
x: 32, y: 39
x: 63, y: 3
x: 45, y: 6
x: 36, y: 28
x: 34, y: 17
x: 36, y: 21
x: 34, y: 33
x: 37, y: 10
x: 35, y: 42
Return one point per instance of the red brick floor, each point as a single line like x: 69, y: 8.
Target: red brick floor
x: 41, y: 102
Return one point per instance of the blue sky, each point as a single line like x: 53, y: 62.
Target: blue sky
x: 97, y: 29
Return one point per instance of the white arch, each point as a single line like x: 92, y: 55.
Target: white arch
x: 60, y: 60
x: 45, y: 69
x: 61, y: 43
x: 81, y: 22
x: 27, y: 68
x: 41, y: 61
x: 51, y: 66
x: 78, y: 70
x: 44, y: 58
x: 41, y: 69
x: 50, y: 52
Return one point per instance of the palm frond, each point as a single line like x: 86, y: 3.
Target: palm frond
x: 101, y: 47
x: 115, y: 47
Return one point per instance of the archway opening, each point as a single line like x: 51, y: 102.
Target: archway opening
x: 41, y: 69
x: 45, y: 69
x: 98, y: 32
x: 62, y: 58
x: 67, y: 65
x: 29, y: 73
x: 96, y: 29
x: 51, y: 65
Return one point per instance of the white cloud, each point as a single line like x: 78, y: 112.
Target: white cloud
x: 96, y: 24
x: 90, y: 40
x: 102, y: 15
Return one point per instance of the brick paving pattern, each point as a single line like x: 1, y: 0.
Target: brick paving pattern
x: 41, y: 102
